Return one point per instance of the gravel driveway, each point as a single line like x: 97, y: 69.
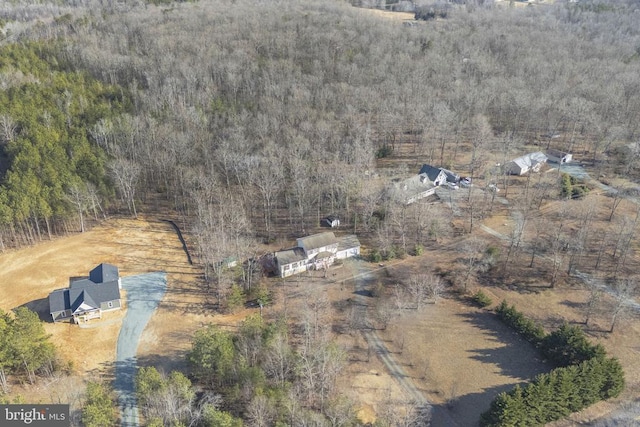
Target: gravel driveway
x: 144, y: 293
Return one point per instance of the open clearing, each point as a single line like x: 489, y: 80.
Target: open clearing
x: 457, y: 355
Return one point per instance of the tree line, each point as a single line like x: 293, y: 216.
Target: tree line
x: 25, y: 349
x: 583, y: 377
x: 50, y: 170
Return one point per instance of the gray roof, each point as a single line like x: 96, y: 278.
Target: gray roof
x: 84, y: 298
x: 316, y: 241
x: 104, y: 273
x: 289, y: 256
x: 451, y: 176
x: 529, y: 160
x: 87, y: 291
x: 348, y: 242
x: 431, y: 171
x: 59, y: 300
x: 556, y: 153
x: 324, y: 254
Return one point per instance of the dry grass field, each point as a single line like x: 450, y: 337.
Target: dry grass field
x: 135, y: 246
x: 458, y: 355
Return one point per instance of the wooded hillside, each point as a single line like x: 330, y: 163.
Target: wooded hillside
x: 284, y: 106
x: 251, y: 120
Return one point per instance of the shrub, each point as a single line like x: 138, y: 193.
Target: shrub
x: 384, y: 151
x: 390, y: 253
x: 418, y: 249
x: 235, y: 299
x: 492, y: 252
x: 481, y: 299
x: 572, y: 187
x: 568, y: 345
x: 525, y: 327
x: 375, y: 256
x: 565, y: 186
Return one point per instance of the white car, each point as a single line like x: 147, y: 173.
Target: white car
x: 493, y: 188
x: 465, y: 182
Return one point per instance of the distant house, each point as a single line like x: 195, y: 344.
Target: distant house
x: 330, y: 221
x: 531, y: 162
x: 559, y: 157
x: 436, y: 176
x: 413, y: 189
x: 87, y: 297
x: 315, y: 252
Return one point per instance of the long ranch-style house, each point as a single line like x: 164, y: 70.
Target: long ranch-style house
x: 87, y: 297
x: 315, y: 252
x: 531, y: 162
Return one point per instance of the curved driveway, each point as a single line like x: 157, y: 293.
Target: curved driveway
x: 144, y: 293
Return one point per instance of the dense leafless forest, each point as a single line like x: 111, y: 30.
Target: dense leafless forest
x: 257, y: 114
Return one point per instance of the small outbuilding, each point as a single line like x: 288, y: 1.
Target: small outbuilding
x: 330, y: 221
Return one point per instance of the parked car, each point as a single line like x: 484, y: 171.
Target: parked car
x: 493, y: 188
x: 465, y: 182
x: 451, y: 185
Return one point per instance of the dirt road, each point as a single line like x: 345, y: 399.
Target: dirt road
x: 438, y: 416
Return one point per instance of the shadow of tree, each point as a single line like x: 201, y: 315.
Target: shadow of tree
x: 41, y: 308
x: 516, y: 359
x: 466, y: 409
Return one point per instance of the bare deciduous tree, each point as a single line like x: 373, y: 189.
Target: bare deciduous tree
x: 624, y: 294
x: 595, y: 297
x: 384, y: 312
x: 8, y: 129
x: 279, y: 359
x: 472, y: 250
x: 261, y: 412
x: 419, y: 286
x: 125, y: 174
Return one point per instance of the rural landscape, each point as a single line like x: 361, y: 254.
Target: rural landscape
x: 321, y: 213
